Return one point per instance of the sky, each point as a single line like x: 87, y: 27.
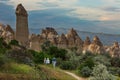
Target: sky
x: 101, y: 16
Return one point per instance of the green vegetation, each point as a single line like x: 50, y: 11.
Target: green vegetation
x: 19, y: 63
x: 100, y: 73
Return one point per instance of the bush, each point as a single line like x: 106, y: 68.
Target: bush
x: 89, y: 62
x: 85, y: 72
x: 115, y: 62
x: 38, y: 57
x: 20, y: 56
x: 102, y: 59
x: 100, y: 73
x: 114, y: 70
x: 3, y: 59
x: 67, y: 65
x: 14, y: 42
x: 56, y: 52
x: 59, y: 61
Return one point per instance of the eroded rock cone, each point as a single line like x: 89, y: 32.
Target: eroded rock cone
x: 62, y: 41
x: 71, y: 36
x: 115, y: 50
x: 8, y: 33
x: 86, y: 44
x: 8, y: 28
x: 49, y: 32
x: 97, y: 41
x: 87, y: 41
x: 96, y: 46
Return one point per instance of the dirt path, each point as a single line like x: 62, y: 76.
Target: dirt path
x: 73, y: 75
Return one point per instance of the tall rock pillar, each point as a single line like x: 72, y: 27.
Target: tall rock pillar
x: 22, y: 32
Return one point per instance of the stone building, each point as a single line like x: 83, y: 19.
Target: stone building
x: 22, y: 32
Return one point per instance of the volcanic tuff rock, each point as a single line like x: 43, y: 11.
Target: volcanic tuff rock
x: 7, y: 33
x: 73, y: 38
x: 69, y: 40
x: 22, y: 32
x: 62, y: 41
x: 49, y: 33
x: 115, y: 50
x: 20, y: 10
x: 86, y: 44
x: 96, y: 46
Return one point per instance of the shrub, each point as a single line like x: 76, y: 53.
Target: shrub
x: 19, y: 56
x: 89, y: 62
x: 114, y: 70
x: 85, y: 72
x: 38, y: 57
x: 59, y: 61
x: 67, y: 65
x: 14, y: 42
x: 102, y: 59
x: 100, y: 73
x: 75, y: 60
x: 3, y: 59
x: 56, y: 52
x: 115, y: 62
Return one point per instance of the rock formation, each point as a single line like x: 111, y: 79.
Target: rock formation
x: 22, y: 32
x: 49, y: 33
x: 115, y: 50
x: 86, y: 44
x: 69, y: 40
x: 96, y: 46
x: 62, y: 41
x: 8, y: 33
x: 34, y: 42
x: 73, y: 39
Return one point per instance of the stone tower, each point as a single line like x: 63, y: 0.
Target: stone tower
x: 22, y: 32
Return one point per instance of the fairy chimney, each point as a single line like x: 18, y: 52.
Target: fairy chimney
x: 62, y: 41
x: 22, y: 32
x: 96, y: 46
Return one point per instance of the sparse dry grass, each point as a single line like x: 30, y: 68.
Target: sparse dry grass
x: 56, y: 73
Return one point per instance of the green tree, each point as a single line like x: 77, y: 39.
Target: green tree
x: 100, y: 73
x: 14, y: 42
x: 85, y: 72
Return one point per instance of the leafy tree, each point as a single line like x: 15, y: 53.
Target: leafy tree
x: 14, y: 42
x: 101, y: 59
x: 67, y: 65
x: 100, y: 73
x: 85, y: 72
x: 115, y: 61
x: 88, y: 63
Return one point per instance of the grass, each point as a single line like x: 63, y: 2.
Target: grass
x: 16, y: 71
x: 56, y: 73
x: 16, y: 68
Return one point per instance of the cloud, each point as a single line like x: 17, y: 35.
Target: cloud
x: 87, y: 9
x: 41, y: 4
